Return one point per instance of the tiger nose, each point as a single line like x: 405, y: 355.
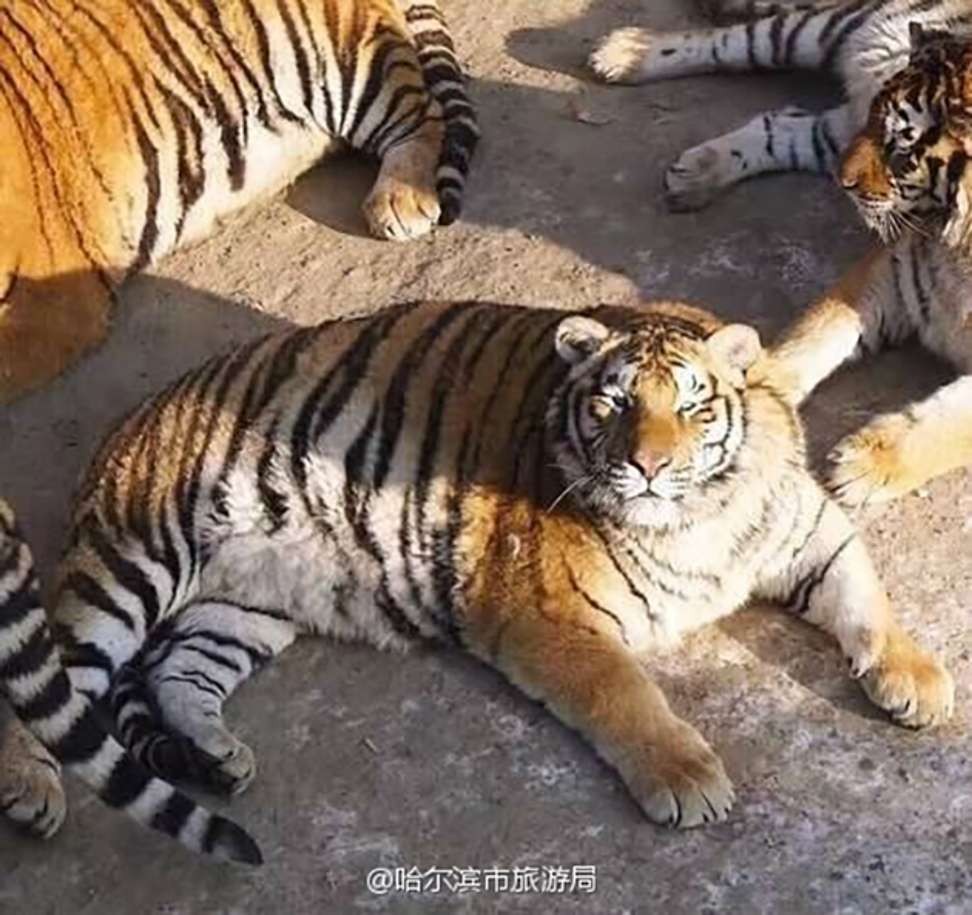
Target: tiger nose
x: 861, y: 167
x: 650, y: 462
x: 850, y: 175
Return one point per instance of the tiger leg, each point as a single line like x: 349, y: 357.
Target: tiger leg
x: 864, y: 311
x: 404, y: 204
x: 593, y: 683
x: 831, y: 583
x: 743, y: 10
x: 898, y: 452
x: 790, y: 139
x: 792, y: 39
x: 188, y: 675
x: 46, y: 325
x: 31, y: 794
x: 408, y: 138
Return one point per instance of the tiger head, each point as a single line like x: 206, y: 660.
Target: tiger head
x: 909, y: 166
x: 653, y: 413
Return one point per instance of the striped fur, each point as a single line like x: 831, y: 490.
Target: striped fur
x: 33, y: 680
x: 908, y: 172
x: 130, y: 128
x: 863, y: 42
x: 556, y: 494
x: 900, y: 145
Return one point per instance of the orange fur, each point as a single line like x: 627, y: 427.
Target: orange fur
x: 129, y: 130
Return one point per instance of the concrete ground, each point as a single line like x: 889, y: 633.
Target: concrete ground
x: 370, y: 760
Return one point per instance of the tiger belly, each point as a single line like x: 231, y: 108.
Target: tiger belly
x: 323, y: 577
x: 303, y: 576
x: 274, y: 160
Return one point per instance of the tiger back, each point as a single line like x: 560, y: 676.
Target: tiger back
x: 131, y: 128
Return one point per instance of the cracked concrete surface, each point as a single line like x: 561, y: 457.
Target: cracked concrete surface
x: 369, y: 759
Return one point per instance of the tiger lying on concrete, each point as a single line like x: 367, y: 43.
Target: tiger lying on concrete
x: 554, y: 493
x: 130, y: 128
x: 901, y: 146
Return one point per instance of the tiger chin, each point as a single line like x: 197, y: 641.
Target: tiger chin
x: 900, y: 146
x: 119, y: 150
x: 556, y: 494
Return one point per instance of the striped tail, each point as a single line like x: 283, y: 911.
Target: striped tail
x: 36, y: 684
x: 446, y: 84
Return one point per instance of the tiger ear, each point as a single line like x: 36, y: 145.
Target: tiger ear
x: 578, y: 337
x: 736, y: 346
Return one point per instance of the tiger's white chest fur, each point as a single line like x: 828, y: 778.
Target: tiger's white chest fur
x: 317, y: 569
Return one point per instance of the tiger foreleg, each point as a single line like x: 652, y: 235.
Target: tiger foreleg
x: 830, y: 582
x: 189, y: 675
x: 898, y: 452
x: 593, y: 683
x: 859, y: 314
x: 792, y: 38
x: 404, y: 203
x: 787, y: 140
x: 740, y: 10
x: 31, y: 794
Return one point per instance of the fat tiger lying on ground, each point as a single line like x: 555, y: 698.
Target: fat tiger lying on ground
x: 906, y: 137
x: 556, y: 494
x: 129, y: 128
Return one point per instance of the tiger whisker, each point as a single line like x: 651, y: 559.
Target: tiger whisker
x: 580, y: 481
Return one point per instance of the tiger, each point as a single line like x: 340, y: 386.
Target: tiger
x: 132, y: 128
x: 900, y: 148
x: 560, y: 494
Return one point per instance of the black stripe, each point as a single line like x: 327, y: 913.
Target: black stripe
x: 30, y: 657
x: 599, y: 607
x: 96, y: 598
x: 172, y: 818
x: 806, y: 587
x: 126, y: 573
x: 82, y: 741
x: 53, y: 696
x: 193, y: 678
x: 20, y: 604
x: 263, y: 45
x: 125, y: 784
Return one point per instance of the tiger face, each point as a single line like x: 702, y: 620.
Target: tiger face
x: 649, y: 418
x: 909, y: 167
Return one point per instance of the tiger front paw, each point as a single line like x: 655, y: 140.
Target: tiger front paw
x: 877, y: 463
x: 31, y: 794
x: 909, y: 684
x: 696, y: 178
x: 622, y: 55
x: 400, y: 211
x: 680, y: 781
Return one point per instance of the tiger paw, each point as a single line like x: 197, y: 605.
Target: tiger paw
x: 31, y: 794
x: 877, y: 463
x: 909, y: 684
x: 399, y: 211
x: 696, y: 178
x: 228, y: 770
x: 680, y: 782
x: 622, y: 56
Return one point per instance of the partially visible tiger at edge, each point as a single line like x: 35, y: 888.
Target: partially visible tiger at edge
x: 557, y: 493
x: 901, y: 146
x: 130, y: 128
